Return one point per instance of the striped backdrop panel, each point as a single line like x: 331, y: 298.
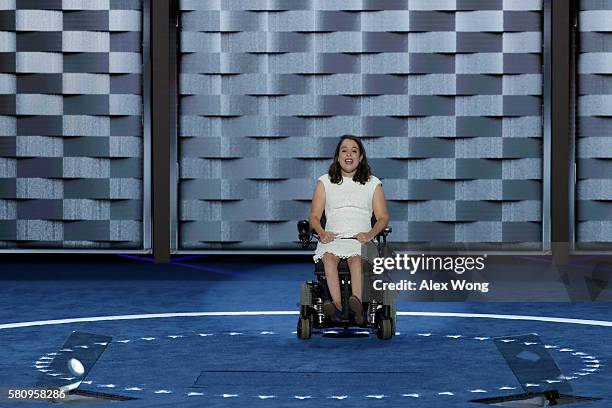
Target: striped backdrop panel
x: 447, y: 96
x: 593, y: 221
x: 71, y: 124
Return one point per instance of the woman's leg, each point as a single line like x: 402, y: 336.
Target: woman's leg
x: 354, y: 264
x: 330, y: 264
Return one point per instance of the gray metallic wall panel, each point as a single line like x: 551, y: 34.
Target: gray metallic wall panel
x: 593, y: 138
x: 71, y: 134
x: 447, y: 96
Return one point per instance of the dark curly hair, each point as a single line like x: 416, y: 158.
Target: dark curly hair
x: 363, y: 173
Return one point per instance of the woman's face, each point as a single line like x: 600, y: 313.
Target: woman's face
x: 349, y: 156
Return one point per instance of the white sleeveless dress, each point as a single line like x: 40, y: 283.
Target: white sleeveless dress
x: 348, y: 211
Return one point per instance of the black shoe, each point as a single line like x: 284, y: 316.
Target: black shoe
x: 357, y: 308
x: 331, y: 311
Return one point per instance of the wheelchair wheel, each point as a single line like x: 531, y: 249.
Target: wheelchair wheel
x: 304, y: 328
x: 384, y: 328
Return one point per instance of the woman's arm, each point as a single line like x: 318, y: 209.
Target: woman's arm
x: 379, y: 205
x: 316, y: 211
x: 316, y: 208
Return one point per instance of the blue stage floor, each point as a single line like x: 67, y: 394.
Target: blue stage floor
x: 256, y: 360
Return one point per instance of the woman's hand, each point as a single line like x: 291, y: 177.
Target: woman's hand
x: 364, y: 237
x: 327, y: 237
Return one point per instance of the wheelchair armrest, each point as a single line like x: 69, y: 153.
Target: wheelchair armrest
x: 305, y: 233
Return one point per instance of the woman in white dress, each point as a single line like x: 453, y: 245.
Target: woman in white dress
x: 348, y: 194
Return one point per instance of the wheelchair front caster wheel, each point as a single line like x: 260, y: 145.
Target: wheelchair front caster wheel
x: 304, y: 328
x: 384, y: 328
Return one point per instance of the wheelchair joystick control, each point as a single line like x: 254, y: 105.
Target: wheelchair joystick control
x: 303, y: 227
x: 304, y: 233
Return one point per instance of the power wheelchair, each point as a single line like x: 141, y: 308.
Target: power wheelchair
x: 380, y: 306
